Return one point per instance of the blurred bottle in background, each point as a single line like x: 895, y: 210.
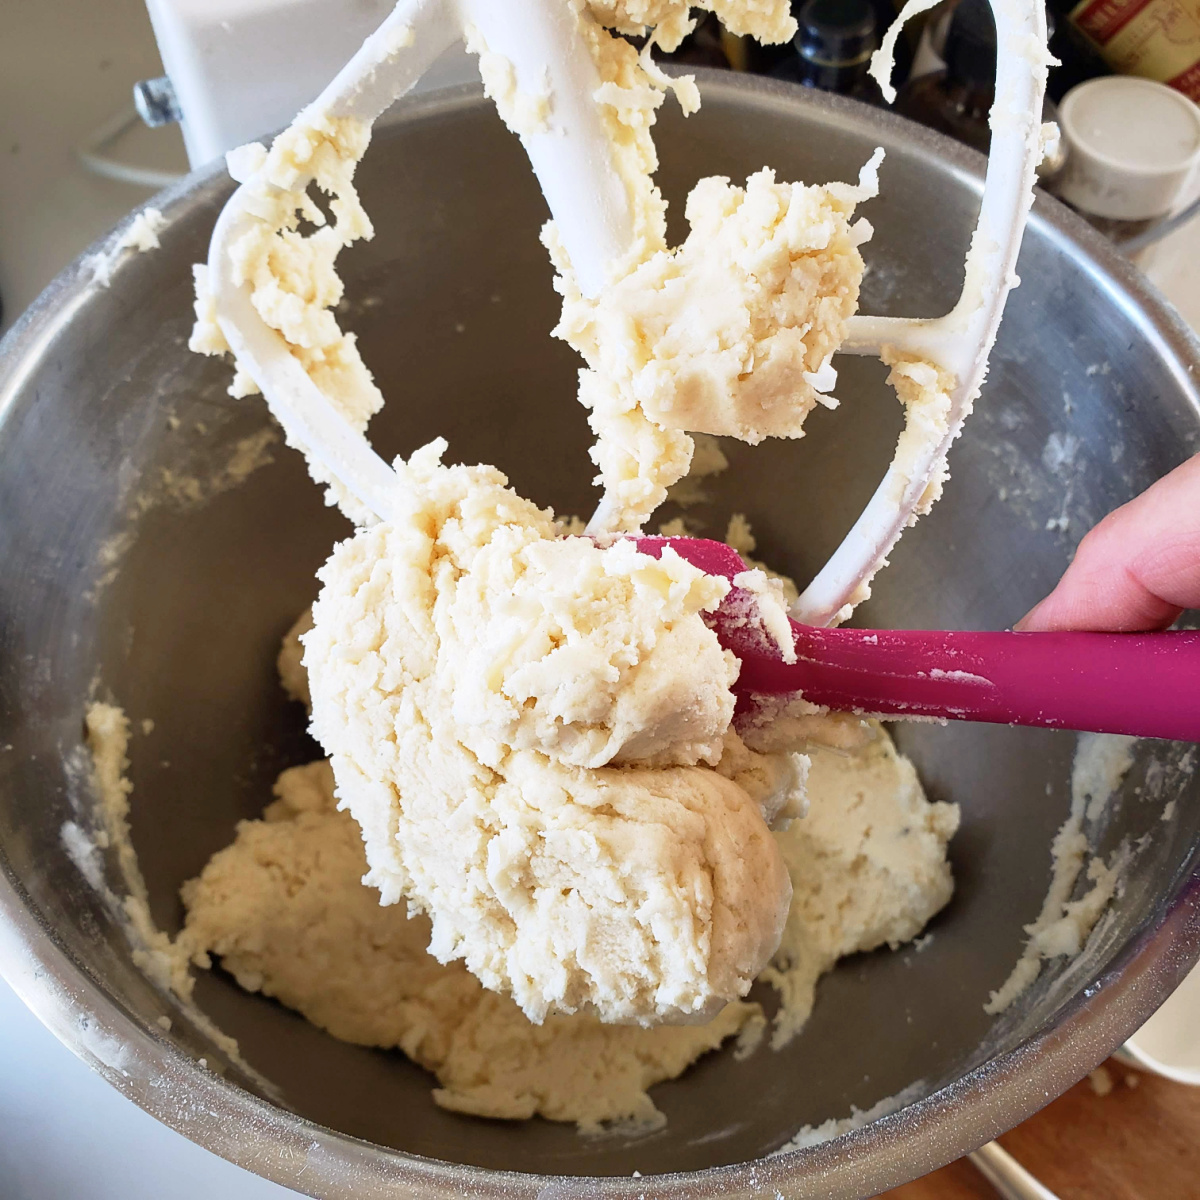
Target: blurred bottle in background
x: 826, y: 36
x: 1154, y: 39
x: 948, y: 56
x: 957, y: 99
x: 833, y: 48
x: 1078, y: 59
x: 706, y: 46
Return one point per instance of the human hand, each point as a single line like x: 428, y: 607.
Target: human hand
x: 1138, y: 569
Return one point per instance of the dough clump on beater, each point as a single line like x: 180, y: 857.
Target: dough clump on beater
x: 731, y: 333
x: 534, y: 734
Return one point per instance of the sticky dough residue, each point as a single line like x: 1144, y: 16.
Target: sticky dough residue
x: 1065, y: 921
x: 184, y: 487
x: 809, y: 1135
x: 523, y: 112
x: 633, y: 88
x: 292, y: 280
x: 108, y: 741
x: 140, y: 235
x: 106, y: 829
x: 925, y: 390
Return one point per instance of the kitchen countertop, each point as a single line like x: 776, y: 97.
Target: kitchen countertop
x: 65, y: 67
x: 1139, y: 1141
x: 69, y: 1135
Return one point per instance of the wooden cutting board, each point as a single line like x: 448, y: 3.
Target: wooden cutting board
x: 1138, y: 1141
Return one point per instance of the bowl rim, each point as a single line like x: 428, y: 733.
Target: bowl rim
x: 144, y: 1065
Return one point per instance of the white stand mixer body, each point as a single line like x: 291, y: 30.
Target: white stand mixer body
x: 243, y: 68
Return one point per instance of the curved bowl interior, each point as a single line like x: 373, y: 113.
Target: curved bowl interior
x: 175, y: 603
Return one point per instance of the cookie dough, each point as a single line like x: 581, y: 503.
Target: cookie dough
x: 290, y: 660
x: 535, y: 731
x: 1069, y: 914
x: 534, y: 734
x: 291, y: 275
x: 730, y: 334
x: 284, y: 910
x: 868, y: 868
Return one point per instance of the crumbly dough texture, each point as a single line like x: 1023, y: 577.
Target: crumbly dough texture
x: 141, y: 235
x: 1070, y: 913
x: 729, y: 334
x: 291, y: 275
x: 523, y: 112
x: 290, y: 660
x: 107, y: 729
x: 284, y: 909
x: 868, y: 868
x: 533, y: 733
x: 671, y: 20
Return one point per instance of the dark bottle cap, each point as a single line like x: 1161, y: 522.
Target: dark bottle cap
x: 970, y: 51
x: 836, y: 34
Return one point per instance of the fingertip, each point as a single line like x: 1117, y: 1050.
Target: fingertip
x: 1032, y: 621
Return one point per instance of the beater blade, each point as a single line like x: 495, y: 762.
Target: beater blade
x: 958, y: 344
x: 568, y: 148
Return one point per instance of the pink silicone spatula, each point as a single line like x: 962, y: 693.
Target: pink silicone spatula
x: 1147, y: 684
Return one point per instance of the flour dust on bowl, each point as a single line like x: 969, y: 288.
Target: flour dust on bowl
x: 160, y: 542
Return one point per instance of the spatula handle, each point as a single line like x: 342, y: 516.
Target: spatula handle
x: 1146, y: 684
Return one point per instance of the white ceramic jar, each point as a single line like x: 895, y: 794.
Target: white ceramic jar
x: 1133, y: 147
x: 1169, y: 1043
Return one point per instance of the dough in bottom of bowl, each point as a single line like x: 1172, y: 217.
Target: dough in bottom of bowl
x: 284, y: 910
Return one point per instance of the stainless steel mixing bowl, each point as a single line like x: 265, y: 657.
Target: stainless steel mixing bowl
x: 1093, y: 394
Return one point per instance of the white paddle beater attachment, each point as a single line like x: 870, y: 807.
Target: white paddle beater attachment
x: 540, y: 69
x: 941, y: 363
x: 539, y: 42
